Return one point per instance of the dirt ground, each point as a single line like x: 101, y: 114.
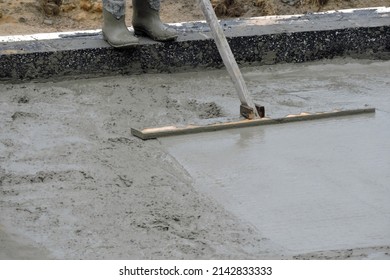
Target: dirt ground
x: 38, y: 16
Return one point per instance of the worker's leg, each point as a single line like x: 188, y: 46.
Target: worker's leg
x: 146, y: 21
x: 114, y: 26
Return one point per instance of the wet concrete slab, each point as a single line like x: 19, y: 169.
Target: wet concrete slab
x: 15, y: 248
x: 76, y: 184
x: 311, y: 186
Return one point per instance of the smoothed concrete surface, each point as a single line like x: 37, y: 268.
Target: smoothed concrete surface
x: 316, y: 186
x: 15, y: 248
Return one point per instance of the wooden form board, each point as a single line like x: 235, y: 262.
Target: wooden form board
x: 153, y: 133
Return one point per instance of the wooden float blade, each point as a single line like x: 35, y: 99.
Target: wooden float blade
x: 153, y: 133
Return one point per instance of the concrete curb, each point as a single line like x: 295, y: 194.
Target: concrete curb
x: 363, y: 33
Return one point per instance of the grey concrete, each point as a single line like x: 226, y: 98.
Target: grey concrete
x: 320, y: 186
x: 268, y: 40
x: 13, y: 247
x: 75, y: 183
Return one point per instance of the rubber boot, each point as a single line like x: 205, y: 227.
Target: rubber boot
x: 115, y: 31
x: 146, y: 21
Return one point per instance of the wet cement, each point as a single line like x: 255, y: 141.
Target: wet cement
x: 76, y: 184
x: 13, y: 247
x: 311, y: 186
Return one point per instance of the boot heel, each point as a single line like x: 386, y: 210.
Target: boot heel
x: 139, y: 32
x: 146, y: 16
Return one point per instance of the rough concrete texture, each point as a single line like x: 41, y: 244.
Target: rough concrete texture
x: 267, y: 40
x: 74, y: 183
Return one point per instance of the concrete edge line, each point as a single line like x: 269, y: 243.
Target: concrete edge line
x: 361, y: 33
x: 265, y: 20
